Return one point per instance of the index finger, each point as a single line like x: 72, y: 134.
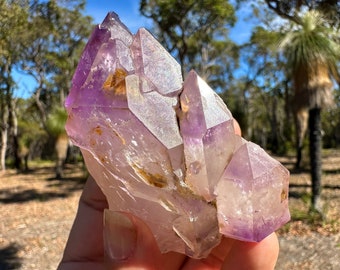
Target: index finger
x: 84, y: 242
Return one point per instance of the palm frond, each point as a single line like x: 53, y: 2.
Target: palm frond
x: 310, y: 42
x: 312, y: 54
x: 56, y: 122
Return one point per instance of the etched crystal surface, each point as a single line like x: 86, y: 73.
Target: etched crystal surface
x: 165, y: 150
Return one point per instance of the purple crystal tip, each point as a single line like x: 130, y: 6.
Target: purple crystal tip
x: 166, y: 150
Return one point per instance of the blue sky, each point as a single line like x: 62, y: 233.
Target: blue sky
x: 98, y: 9
x: 128, y: 11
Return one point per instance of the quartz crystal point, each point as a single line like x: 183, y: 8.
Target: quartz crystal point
x: 165, y: 150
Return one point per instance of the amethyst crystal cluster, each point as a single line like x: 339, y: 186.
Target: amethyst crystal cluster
x: 165, y: 150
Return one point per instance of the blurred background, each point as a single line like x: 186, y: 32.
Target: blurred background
x: 274, y: 63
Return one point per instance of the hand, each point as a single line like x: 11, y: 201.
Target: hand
x: 129, y: 244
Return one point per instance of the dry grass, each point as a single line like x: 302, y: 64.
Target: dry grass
x: 37, y: 213
x: 303, y: 220
x: 309, y: 241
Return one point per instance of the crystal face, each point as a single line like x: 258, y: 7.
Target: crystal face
x: 165, y: 150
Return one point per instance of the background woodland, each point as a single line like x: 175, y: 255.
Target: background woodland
x: 282, y: 85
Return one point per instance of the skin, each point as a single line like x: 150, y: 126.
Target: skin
x: 88, y: 249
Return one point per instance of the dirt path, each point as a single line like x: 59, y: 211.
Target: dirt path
x: 309, y: 252
x: 37, y: 212
x: 307, y: 242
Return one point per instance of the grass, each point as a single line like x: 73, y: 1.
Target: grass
x: 305, y: 220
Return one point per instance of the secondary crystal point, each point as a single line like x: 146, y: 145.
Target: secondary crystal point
x: 156, y: 64
x: 251, y: 195
x: 165, y: 150
x: 208, y: 135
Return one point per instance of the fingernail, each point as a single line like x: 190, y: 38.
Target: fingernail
x: 120, y: 235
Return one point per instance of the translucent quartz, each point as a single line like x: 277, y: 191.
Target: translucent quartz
x: 165, y: 150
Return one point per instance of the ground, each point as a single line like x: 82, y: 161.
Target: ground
x: 37, y: 213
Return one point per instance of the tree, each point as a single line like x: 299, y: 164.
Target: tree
x: 290, y: 9
x: 53, y: 45
x: 265, y: 92
x: 55, y: 126
x: 312, y: 54
x: 43, y: 39
x: 13, y: 25
x: 196, y: 33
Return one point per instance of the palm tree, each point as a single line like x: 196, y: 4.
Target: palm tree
x: 312, y: 55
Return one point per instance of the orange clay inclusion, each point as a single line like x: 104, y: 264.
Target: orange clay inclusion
x: 98, y: 130
x: 116, y: 82
x: 155, y: 180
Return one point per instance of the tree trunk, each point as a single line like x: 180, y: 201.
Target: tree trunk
x: 13, y: 122
x: 40, y: 105
x: 315, y: 147
x: 3, y: 149
x: 301, y: 123
x: 4, y: 137
x: 61, y: 146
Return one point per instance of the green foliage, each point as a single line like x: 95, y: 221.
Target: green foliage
x: 31, y: 134
x: 311, y: 43
x: 263, y: 93
x: 331, y: 124
x: 13, y: 25
x: 56, y: 122
x: 312, y: 53
x: 291, y: 9
x: 56, y: 37
x: 43, y: 39
x: 265, y: 40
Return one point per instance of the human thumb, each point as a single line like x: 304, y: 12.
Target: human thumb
x: 120, y: 235
x: 128, y: 242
